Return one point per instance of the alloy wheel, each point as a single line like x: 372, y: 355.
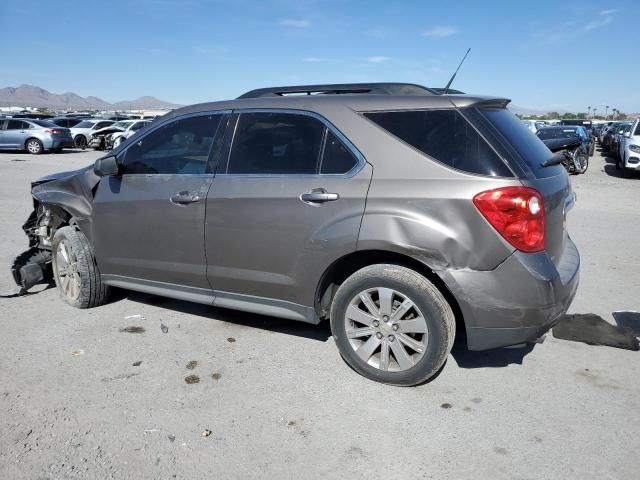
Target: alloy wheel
x: 67, y: 270
x: 386, y: 329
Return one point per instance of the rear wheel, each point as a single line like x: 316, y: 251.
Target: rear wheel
x: 34, y: 146
x: 392, y: 325
x: 76, y: 271
x: 581, y: 161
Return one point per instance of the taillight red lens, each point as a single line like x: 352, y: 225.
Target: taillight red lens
x: 517, y: 213
x: 54, y: 131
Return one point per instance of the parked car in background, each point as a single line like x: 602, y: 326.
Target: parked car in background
x: 35, y: 136
x: 571, y: 142
x: 588, y: 127
x: 403, y: 221
x: 116, y: 138
x: 618, y: 139
x: 32, y: 116
x: 531, y: 125
x: 630, y: 149
x: 111, y: 136
x: 82, y: 132
x: 116, y: 118
x: 66, y: 122
x: 609, y: 134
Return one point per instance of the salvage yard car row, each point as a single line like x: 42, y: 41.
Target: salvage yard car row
x: 53, y: 134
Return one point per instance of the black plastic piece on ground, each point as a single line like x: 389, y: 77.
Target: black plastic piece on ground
x: 31, y: 268
x: 594, y: 330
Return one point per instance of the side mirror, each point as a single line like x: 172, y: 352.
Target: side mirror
x: 106, y: 166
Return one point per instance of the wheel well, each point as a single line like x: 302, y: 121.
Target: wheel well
x: 31, y: 138
x: 346, y: 266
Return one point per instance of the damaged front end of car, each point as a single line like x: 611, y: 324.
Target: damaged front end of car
x: 58, y: 200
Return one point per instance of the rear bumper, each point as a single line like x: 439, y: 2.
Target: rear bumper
x: 518, y: 301
x: 62, y: 142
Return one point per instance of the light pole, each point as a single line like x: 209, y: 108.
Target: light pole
x: 594, y: 112
x: 588, y: 112
x: 606, y: 112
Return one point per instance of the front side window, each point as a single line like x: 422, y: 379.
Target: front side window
x: 100, y: 125
x: 275, y: 144
x: 179, y: 147
x: 446, y: 136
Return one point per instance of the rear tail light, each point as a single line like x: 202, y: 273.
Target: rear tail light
x: 54, y: 131
x: 517, y: 213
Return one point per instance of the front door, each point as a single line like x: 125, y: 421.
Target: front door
x: 15, y: 134
x: 149, y: 221
x: 288, y: 205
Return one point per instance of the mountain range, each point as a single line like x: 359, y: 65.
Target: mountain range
x: 33, y: 96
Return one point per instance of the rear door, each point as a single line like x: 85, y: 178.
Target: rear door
x: 288, y: 204
x: 149, y: 221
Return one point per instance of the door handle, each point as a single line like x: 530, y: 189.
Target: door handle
x: 184, y: 198
x: 319, y: 195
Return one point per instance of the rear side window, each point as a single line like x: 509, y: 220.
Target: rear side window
x: 637, y: 132
x: 275, y: 144
x: 336, y: 158
x: 527, y: 145
x: 446, y: 136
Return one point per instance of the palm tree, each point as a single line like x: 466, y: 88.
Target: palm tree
x: 606, y: 112
x: 594, y: 112
x: 588, y: 112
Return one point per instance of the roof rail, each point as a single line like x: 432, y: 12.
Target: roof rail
x: 342, y: 88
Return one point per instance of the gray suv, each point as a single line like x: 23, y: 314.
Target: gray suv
x: 402, y: 215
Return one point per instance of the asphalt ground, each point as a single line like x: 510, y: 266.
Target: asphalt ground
x: 271, y: 398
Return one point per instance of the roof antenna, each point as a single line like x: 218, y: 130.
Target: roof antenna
x: 446, y: 89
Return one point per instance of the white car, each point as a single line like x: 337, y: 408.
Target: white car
x: 131, y: 127
x: 629, y: 157
x: 531, y: 125
x: 82, y: 132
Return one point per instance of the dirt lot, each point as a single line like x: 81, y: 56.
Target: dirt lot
x: 274, y: 399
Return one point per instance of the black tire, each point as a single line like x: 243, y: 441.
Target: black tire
x: 91, y: 292
x: 33, y: 146
x: 80, y: 141
x: 584, y: 163
x: 438, y: 314
x: 592, y: 149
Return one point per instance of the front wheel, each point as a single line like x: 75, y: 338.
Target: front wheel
x: 76, y: 271
x: 581, y: 162
x: 392, y: 325
x: 80, y: 142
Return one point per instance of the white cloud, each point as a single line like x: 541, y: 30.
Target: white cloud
x: 598, y: 23
x: 377, y: 59
x: 610, y: 11
x: 317, y: 60
x: 440, y: 32
x: 294, y: 23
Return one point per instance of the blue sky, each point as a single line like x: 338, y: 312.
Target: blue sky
x: 545, y: 55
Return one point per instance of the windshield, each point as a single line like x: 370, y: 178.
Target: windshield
x: 550, y: 133
x: 84, y: 124
x: 43, y: 123
x: 121, y: 124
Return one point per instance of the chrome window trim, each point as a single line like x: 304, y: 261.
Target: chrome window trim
x: 360, y: 159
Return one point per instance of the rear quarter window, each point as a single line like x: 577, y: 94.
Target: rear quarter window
x: 446, y: 136
x: 528, y: 147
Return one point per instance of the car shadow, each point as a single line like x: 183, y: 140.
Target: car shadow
x: 613, y: 171
x: 320, y: 332
x: 45, y: 153
x: 495, y: 358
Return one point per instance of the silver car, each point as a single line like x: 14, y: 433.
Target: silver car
x: 35, y: 136
x: 82, y: 132
x: 403, y: 219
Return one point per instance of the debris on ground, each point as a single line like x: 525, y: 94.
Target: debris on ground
x: 594, y: 330
x: 137, y: 364
x: 133, y: 329
x: 231, y: 340
x: 191, y: 379
x: 172, y: 438
x: 216, y: 376
x: 191, y: 365
x: 164, y: 328
x: 446, y: 405
x: 77, y: 353
x: 206, y: 433
x: 136, y: 317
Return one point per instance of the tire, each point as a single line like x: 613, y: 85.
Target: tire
x: 77, y: 277
x: 432, y: 326
x: 592, y: 149
x: 34, y: 146
x: 80, y: 141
